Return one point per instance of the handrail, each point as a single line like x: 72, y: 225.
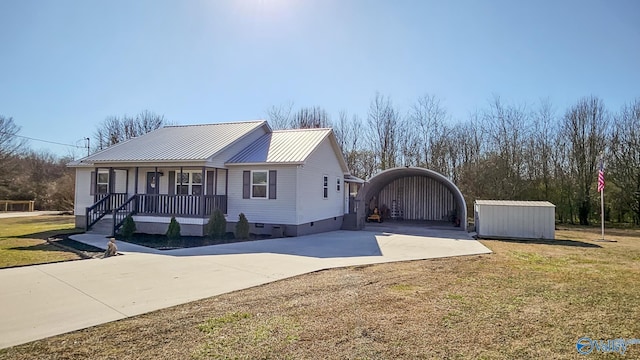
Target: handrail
x: 181, y: 205
x: 91, y: 220
x: 119, y: 216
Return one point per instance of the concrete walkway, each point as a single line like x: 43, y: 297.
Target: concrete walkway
x: 46, y: 300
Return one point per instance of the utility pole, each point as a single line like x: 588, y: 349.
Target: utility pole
x: 88, y: 145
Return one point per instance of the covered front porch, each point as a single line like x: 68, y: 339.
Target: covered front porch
x: 161, y: 191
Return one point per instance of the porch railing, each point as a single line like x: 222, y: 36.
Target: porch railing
x: 104, y: 204
x: 181, y: 205
x: 97, y: 211
x: 128, y: 208
x: 153, y: 204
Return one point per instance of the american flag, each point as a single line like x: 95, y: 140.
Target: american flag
x: 601, y: 176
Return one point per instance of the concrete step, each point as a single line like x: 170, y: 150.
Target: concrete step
x: 102, y: 227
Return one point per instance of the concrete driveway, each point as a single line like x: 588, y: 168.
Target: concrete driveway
x: 45, y: 300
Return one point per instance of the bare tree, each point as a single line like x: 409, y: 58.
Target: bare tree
x: 310, y: 118
x: 625, y: 157
x: 280, y: 116
x: 10, y: 146
x: 350, y: 135
x: 116, y: 129
x: 383, y: 120
x: 429, y: 118
x: 508, y: 128
x: 585, y: 126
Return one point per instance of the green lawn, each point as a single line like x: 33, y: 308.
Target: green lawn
x: 23, y: 240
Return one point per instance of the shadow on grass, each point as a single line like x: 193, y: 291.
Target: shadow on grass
x: 44, y: 235
x: 38, y: 247
x: 572, y: 243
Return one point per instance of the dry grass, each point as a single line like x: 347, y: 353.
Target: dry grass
x: 23, y: 240
x: 527, y: 300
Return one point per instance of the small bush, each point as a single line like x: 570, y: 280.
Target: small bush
x: 217, y: 225
x: 128, y: 227
x: 173, y: 232
x: 242, y: 228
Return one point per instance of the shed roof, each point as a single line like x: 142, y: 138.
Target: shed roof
x: 176, y: 143
x: 286, y: 147
x: 515, y: 203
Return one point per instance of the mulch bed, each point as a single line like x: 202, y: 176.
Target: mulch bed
x: 161, y: 242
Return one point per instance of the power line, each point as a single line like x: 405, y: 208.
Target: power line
x: 45, y: 141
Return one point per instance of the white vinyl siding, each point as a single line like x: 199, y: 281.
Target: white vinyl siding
x: 120, y: 181
x: 281, y: 210
x: 83, y: 197
x: 222, y: 182
x: 323, y: 161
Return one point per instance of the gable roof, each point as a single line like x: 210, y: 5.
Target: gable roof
x: 176, y: 143
x: 287, y: 147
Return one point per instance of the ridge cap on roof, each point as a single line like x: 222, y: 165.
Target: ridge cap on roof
x: 221, y: 123
x: 301, y: 130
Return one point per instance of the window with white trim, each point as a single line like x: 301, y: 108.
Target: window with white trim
x: 259, y: 184
x: 189, y: 183
x: 102, y: 182
x: 338, y: 184
x: 325, y: 186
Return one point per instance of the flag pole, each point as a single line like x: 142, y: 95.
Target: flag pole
x: 602, y: 211
x: 601, y: 178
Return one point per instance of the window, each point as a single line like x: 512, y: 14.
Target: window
x: 325, y: 186
x: 338, y: 184
x: 189, y: 183
x: 259, y: 184
x: 102, y: 185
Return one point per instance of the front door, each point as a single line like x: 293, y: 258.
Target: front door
x: 150, y: 203
x: 152, y: 183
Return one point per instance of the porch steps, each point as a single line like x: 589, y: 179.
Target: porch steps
x: 102, y: 227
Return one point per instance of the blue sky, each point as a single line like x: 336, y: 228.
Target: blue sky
x: 66, y: 65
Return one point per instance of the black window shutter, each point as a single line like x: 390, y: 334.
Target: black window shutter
x: 210, y: 178
x: 172, y: 183
x: 273, y: 182
x: 92, y: 190
x: 246, y: 184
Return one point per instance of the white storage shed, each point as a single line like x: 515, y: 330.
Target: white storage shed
x: 515, y: 219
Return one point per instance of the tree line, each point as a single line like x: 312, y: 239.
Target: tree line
x: 504, y: 151
x: 41, y: 176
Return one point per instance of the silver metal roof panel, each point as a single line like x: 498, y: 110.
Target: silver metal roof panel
x: 176, y: 143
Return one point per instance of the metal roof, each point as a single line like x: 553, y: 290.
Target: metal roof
x: 189, y: 142
x: 282, y: 146
x: 514, y: 203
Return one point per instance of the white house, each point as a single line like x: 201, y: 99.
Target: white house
x: 290, y: 181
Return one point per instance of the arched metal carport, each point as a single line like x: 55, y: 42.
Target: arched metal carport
x: 418, y: 194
